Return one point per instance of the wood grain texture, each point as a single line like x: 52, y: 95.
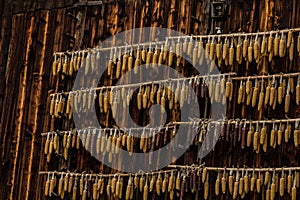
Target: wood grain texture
x: 32, y: 30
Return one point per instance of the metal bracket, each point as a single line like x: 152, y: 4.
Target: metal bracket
x: 219, y: 10
x: 88, y: 3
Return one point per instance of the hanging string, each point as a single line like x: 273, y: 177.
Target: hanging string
x: 150, y: 83
x: 228, y: 35
x: 193, y: 122
x: 177, y: 168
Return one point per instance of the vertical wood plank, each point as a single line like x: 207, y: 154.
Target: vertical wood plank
x: 178, y: 12
x: 20, y: 114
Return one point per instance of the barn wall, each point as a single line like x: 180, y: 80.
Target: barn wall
x: 32, y: 30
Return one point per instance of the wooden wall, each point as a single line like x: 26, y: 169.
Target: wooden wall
x: 30, y: 31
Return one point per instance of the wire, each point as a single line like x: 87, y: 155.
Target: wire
x: 141, y: 173
x: 148, y: 83
x: 176, y: 168
x: 229, y: 35
x: 279, y: 169
x: 194, y: 122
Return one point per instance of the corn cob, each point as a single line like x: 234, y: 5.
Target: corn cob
x: 264, y: 46
x: 245, y: 47
x: 258, y: 184
x: 223, y: 183
x: 164, y: 184
x: 250, y: 135
x: 212, y: 49
x: 263, y: 134
x: 217, y: 186
x: 225, y: 49
x: 206, y: 190
x: 294, y: 191
x: 239, y: 52
x: 276, y: 45
x: 218, y: 50
x: 256, y: 139
x: 250, y: 52
x: 282, y: 46
x: 231, y: 53
x: 230, y: 182
x: 158, y: 184
x: 256, y: 48
x: 261, y: 98
x: 252, y: 182
x: 129, y: 188
x: 55, y: 65
x: 204, y: 173
x: 235, y: 189
x: 296, y: 135
x: 255, y: 94
x: 240, y: 93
